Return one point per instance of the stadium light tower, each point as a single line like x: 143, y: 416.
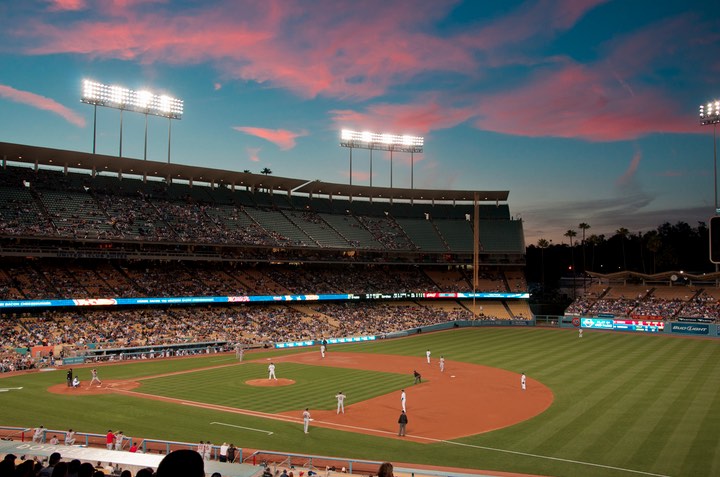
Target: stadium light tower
x: 710, y: 114
x: 144, y: 102
x: 383, y: 142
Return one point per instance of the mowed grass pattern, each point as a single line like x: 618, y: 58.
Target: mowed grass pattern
x: 625, y: 404
x: 314, y: 387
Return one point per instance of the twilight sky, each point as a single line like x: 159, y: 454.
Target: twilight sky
x: 585, y: 110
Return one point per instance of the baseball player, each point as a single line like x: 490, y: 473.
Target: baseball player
x: 402, y: 400
x: 579, y: 332
x: 271, y: 371
x: 442, y: 364
x: 341, y: 402
x: 38, y: 434
x: 119, y: 438
x: 95, y: 378
x: 427, y: 355
x: 239, y: 351
x: 418, y: 377
x: 70, y: 437
x: 306, y: 420
x: 522, y: 381
x: 323, y: 348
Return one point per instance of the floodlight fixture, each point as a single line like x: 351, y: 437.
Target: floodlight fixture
x: 384, y: 142
x: 124, y: 99
x: 143, y: 101
x: 710, y: 113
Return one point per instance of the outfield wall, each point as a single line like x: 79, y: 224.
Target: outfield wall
x: 681, y: 328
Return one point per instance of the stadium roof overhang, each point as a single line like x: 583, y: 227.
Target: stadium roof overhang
x: 99, y: 163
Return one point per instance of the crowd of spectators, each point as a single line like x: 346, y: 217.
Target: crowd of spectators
x: 649, y: 305
x: 51, y: 204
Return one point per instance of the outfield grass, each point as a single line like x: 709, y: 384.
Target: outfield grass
x: 647, y: 404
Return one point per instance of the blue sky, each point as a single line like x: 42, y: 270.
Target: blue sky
x: 585, y: 110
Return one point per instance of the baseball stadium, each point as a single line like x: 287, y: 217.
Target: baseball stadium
x: 180, y: 285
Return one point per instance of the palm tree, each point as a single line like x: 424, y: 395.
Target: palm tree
x: 654, y: 244
x: 266, y: 171
x: 583, y: 226
x: 594, y: 240
x: 542, y: 245
x: 623, y: 233
x: 570, y: 233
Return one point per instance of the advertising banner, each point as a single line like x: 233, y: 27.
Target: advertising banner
x: 690, y: 328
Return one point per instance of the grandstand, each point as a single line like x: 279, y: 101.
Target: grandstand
x: 77, y: 226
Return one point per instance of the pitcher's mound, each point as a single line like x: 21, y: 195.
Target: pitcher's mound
x: 270, y: 382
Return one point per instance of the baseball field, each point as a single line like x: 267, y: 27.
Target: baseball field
x: 607, y: 404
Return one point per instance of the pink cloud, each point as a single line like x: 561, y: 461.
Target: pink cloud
x: 529, y: 20
x: 576, y: 101
x: 41, y: 102
x: 629, y: 173
x: 253, y: 154
x: 418, y: 118
x: 66, y: 5
x: 266, y: 43
x: 280, y: 137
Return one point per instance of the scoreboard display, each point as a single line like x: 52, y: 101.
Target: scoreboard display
x: 651, y: 326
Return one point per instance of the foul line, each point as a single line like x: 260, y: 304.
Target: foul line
x: 242, y: 427
x: 546, y: 457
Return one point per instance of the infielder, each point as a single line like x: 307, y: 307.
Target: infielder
x: 271, y: 372
x: 341, y: 402
x: 442, y: 364
x: 427, y: 355
x: 522, y: 381
x: 402, y: 400
x: 95, y: 378
x: 306, y: 420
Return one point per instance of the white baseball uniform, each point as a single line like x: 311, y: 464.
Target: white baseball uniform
x: 442, y: 364
x: 522, y: 381
x: 427, y: 355
x: 271, y: 371
x: 306, y: 420
x: 341, y: 402
x: 403, y: 401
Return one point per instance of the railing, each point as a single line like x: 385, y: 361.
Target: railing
x: 89, y: 439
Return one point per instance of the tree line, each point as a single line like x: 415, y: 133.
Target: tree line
x: 667, y: 248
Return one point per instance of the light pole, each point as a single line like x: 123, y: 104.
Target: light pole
x: 117, y: 97
x: 382, y: 142
x: 710, y: 114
